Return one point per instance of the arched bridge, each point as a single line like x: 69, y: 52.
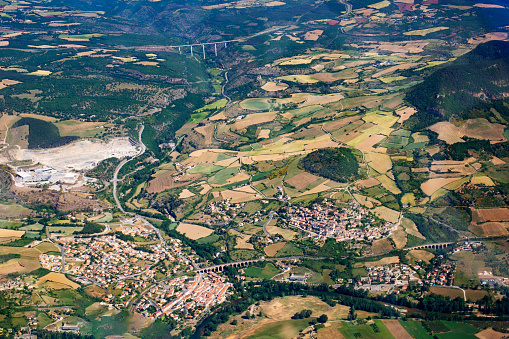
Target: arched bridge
x: 434, y: 246
x: 220, y: 268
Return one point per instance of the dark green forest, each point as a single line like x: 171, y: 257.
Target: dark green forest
x: 338, y: 164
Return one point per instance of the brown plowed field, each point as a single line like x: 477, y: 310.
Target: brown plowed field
x: 302, y: 180
x: 494, y: 214
x: 396, y: 329
x: 165, y: 181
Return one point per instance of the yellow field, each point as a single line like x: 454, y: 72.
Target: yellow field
x: 409, y: 199
x: 47, y: 247
x: 389, y: 184
x: 431, y: 186
x: 411, y: 228
x: 300, y: 78
x: 367, y: 145
x: 368, y: 202
x: 482, y: 180
x: 253, y: 119
x: 271, y: 250
x: 387, y: 214
x: 274, y: 87
x: 19, y: 265
x: 186, y: 194
x: 381, y: 4
x: 379, y: 162
x: 242, y: 239
x: 388, y: 80
x: 438, y: 194
x: 418, y: 137
x: 286, y: 233
x: 194, y: 231
x: 11, y: 233
x: 58, y: 278
x: 380, y: 118
x: 238, y: 197
x: 424, y: 32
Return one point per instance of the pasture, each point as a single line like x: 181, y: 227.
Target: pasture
x: 266, y: 272
x: 367, y: 331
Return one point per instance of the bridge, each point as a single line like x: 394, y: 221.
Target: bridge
x: 434, y: 246
x: 220, y: 268
x: 202, y: 45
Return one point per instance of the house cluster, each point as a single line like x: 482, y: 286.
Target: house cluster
x: 395, y: 274
x: 327, y: 221
x: 441, y: 274
x: 137, y: 230
x: 185, y: 297
x: 16, y: 283
x: 466, y: 246
x: 224, y: 210
x: 106, y: 259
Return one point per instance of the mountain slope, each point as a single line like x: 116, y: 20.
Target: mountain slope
x: 469, y: 86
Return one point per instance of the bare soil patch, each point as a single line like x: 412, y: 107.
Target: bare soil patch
x: 381, y: 246
x: 194, y: 232
x: 271, y: 250
x: 494, y: 214
x: 473, y: 128
x: 490, y: 333
x: 367, y: 183
x: 420, y: 254
x: 302, y: 180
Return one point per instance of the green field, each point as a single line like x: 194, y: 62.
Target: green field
x: 205, y: 169
x: 222, y: 176
x: 266, y: 272
x: 289, y: 250
x: 33, y: 227
x: 213, y: 106
x: 66, y: 230
x: 281, y: 329
x: 415, y: 329
x: 261, y: 104
x: 208, y: 239
x: 458, y: 331
x: 351, y: 331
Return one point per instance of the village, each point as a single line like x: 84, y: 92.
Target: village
x: 327, y: 221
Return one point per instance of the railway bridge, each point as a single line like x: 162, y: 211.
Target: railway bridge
x: 220, y: 268
x: 434, y: 246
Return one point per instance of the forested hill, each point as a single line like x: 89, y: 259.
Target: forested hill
x: 469, y: 86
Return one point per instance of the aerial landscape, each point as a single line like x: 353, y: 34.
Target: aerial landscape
x: 254, y: 169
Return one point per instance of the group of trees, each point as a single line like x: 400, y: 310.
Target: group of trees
x: 339, y: 164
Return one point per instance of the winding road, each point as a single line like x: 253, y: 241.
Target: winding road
x: 119, y: 205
